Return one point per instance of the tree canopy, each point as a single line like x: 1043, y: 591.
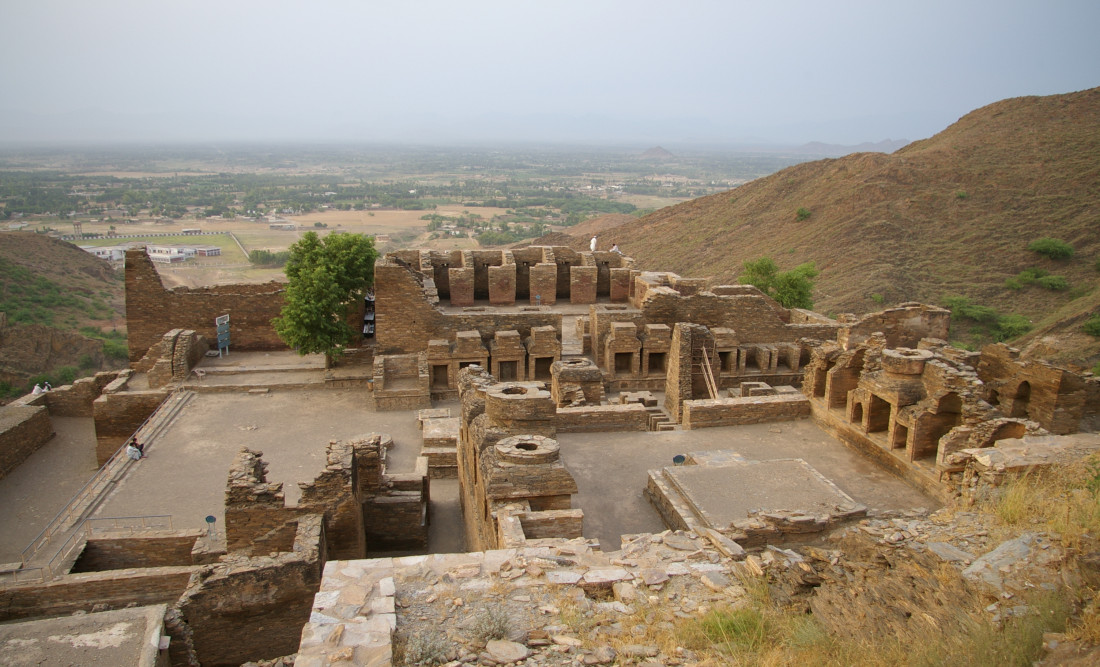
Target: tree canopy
x: 325, y: 277
x: 792, y: 289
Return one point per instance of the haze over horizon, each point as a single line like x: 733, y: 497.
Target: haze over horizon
x: 640, y: 72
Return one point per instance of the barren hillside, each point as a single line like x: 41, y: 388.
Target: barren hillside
x: 952, y: 214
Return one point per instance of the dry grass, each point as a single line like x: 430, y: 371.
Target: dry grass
x: 764, y: 633
x: 1063, y: 499
x: 892, y: 225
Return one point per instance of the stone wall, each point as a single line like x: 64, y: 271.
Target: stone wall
x: 173, y: 357
x: 749, y: 410
x: 23, y: 429
x: 1054, y: 397
x: 143, y: 549
x: 407, y: 317
x: 597, y: 418
x: 751, y: 315
x: 151, y: 309
x: 82, y: 592
x: 903, y: 325
x: 364, y: 508
x: 75, y: 400
x: 118, y: 414
x: 248, y: 609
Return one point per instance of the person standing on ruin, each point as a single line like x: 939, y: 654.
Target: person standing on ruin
x: 592, y: 244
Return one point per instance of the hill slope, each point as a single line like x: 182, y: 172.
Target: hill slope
x: 951, y: 214
x: 49, y: 289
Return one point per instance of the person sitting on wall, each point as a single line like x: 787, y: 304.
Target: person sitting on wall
x: 615, y: 248
x: 47, y: 386
x: 132, y: 452
x: 37, y: 389
x: 140, y: 447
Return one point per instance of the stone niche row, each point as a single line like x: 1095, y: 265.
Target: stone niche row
x: 508, y: 357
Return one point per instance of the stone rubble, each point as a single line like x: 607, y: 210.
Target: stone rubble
x: 568, y: 604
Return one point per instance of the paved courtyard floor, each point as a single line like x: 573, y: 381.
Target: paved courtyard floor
x: 185, y: 473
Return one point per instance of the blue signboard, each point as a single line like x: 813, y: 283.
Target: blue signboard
x: 222, y: 324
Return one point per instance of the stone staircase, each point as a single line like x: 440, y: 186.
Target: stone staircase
x: 659, y: 420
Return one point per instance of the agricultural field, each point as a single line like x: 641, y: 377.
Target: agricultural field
x: 430, y: 197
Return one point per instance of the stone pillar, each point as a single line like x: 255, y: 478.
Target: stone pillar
x: 582, y: 284
x: 462, y: 286
x: 502, y: 285
x: 620, y: 285
x: 544, y: 283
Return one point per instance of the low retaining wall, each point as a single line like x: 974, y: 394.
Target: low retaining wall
x: 23, y: 429
x: 75, y: 400
x: 594, y: 418
x: 118, y: 551
x: 750, y: 410
x: 118, y: 415
x: 81, y: 592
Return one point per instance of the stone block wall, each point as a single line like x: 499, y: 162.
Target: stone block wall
x: 118, y: 415
x: 81, y: 592
x: 747, y: 410
x: 620, y: 279
x: 559, y: 524
x: 1052, y: 396
x: 574, y: 381
x: 332, y: 495
x: 461, y: 281
x: 544, y: 284
x: 407, y: 317
x: 582, y: 284
x: 256, y: 516
x: 248, y: 609
x: 601, y: 418
x: 75, y: 400
x: 502, y: 285
x: 152, y: 310
x: 142, y: 549
x: 401, y: 382
x: 904, y: 325
x: 23, y: 429
x: 172, y: 358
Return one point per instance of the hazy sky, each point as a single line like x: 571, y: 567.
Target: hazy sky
x: 553, y: 70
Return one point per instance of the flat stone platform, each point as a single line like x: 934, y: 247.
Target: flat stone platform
x: 185, y: 472
x: 716, y: 493
x: 612, y: 471
x: 119, y: 637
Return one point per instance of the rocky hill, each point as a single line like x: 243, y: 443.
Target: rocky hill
x: 948, y: 215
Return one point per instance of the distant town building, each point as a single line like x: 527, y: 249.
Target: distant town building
x: 111, y: 253
x: 284, y: 226
x: 168, y: 254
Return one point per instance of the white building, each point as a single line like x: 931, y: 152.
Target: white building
x: 111, y: 253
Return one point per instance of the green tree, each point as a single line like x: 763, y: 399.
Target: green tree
x: 760, y: 273
x: 792, y: 289
x: 325, y: 277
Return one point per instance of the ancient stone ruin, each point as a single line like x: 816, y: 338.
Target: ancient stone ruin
x: 503, y: 366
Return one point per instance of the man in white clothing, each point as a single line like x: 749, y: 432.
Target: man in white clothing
x: 592, y: 244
